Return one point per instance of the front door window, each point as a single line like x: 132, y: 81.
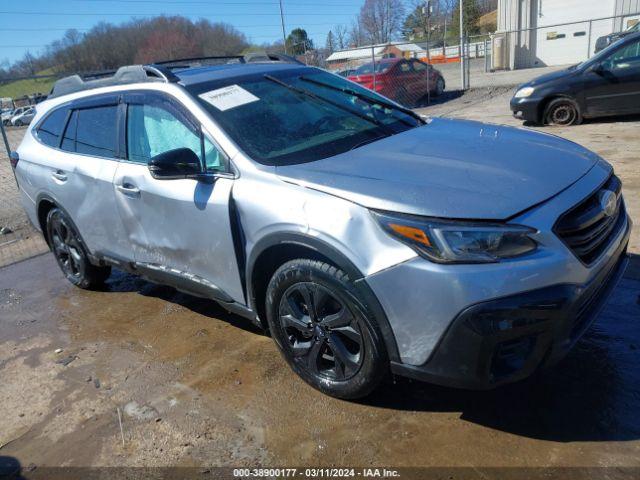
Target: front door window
x: 153, y: 129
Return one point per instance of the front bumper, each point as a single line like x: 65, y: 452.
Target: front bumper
x: 527, y: 109
x: 507, y: 339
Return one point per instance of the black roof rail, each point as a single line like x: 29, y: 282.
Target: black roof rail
x: 180, y: 63
x: 155, y: 72
x: 161, y: 72
x: 200, y: 61
x: 121, y: 76
x: 270, y: 57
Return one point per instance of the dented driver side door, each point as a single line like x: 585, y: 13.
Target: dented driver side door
x: 180, y: 228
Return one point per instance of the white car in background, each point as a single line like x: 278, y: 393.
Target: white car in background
x: 23, y: 116
x: 7, y: 113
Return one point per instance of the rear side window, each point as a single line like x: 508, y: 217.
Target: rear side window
x: 50, y: 130
x: 96, y: 131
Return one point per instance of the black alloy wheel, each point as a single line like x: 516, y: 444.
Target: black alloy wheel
x: 323, y: 334
x: 70, y: 253
x: 324, y: 329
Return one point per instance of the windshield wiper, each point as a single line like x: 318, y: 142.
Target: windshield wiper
x: 302, y: 91
x: 367, y: 99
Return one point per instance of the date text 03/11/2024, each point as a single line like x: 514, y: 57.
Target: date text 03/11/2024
x: 316, y: 472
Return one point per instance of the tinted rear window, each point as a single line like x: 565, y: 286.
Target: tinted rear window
x: 51, y: 129
x: 96, y: 131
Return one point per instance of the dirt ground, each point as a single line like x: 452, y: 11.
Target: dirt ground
x: 140, y: 375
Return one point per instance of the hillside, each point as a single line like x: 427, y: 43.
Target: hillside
x: 20, y: 88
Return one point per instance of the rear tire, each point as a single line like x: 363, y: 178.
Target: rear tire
x: 323, y: 329
x: 562, y: 112
x: 440, y: 86
x: 70, y: 253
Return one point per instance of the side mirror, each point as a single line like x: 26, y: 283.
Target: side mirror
x: 599, y: 69
x: 177, y: 163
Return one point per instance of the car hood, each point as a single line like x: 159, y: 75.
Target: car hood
x: 450, y: 169
x: 550, y: 77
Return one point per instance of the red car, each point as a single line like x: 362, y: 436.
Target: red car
x: 405, y: 81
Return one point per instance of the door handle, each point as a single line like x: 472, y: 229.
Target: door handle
x: 59, y: 175
x: 129, y: 189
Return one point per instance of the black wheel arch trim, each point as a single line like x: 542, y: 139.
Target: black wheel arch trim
x: 339, y: 260
x: 48, y: 198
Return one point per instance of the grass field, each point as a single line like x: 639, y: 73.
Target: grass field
x: 26, y: 87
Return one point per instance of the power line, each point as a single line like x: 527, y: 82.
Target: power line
x: 202, y: 2
x: 64, y: 29
x: 42, y: 29
x: 147, y: 14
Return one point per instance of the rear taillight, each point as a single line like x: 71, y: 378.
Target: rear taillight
x: 14, y: 158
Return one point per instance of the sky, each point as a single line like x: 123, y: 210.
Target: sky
x: 31, y: 25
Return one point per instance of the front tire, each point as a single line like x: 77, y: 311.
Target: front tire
x: 323, y: 329
x: 70, y: 253
x: 562, y: 112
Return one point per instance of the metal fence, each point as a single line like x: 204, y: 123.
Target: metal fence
x: 408, y: 72
x: 18, y: 238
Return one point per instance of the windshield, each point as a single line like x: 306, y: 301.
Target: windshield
x: 368, y: 68
x: 286, y: 118
x: 635, y: 28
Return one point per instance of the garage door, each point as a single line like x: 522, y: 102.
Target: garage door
x: 569, y: 44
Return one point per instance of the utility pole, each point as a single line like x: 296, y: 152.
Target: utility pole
x: 426, y: 12
x: 463, y: 70
x: 444, y: 38
x: 284, y: 35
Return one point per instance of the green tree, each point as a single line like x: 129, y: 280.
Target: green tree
x: 298, y: 42
x: 415, y: 25
x: 331, y: 43
x: 471, y: 15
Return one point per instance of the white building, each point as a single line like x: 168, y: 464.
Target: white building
x: 353, y: 57
x: 559, y: 32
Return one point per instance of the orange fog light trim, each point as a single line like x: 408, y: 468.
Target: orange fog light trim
x: 411, y: 233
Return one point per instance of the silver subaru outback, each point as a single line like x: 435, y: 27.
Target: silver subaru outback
x: 365, y: 238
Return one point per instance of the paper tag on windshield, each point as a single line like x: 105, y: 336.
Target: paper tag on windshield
x: 228, y: 97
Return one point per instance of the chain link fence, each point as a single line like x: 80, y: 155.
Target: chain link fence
x: 412, y: 73
x: 18, y: 239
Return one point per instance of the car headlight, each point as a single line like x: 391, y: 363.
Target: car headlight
x: 445, y: 241
x: 524, y: 92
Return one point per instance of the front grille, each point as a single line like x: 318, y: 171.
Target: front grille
x: 588, y: 229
